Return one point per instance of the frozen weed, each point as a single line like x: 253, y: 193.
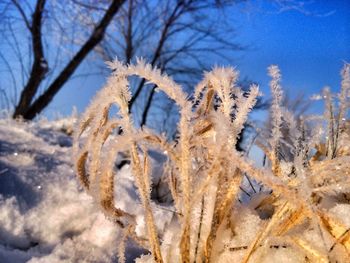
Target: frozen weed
x: 205, y: 172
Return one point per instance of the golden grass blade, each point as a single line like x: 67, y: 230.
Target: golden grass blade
x: 340, y: 232
x: 294, y: 218
x: 222, y: 208
x: 81, y: 170
x: 145, y: 199
x: 314, y: 254
x: 284, y: 219
x: 252, y: 247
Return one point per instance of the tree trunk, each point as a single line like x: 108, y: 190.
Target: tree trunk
x: 97, y: 35
x: 39, y: 67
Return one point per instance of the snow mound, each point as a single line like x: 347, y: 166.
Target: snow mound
x: 44, y: 214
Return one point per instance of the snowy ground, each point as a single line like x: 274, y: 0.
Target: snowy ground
x: 45, y: 216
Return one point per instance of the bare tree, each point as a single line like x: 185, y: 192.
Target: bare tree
x: 50, y: 39
x: 33, y: 18
x: 181, y: 37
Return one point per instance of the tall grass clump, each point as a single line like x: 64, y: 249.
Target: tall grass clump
x: 295, y: 209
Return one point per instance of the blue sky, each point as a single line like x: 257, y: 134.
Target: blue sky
x: 309, y: 48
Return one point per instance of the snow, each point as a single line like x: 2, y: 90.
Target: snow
x: 45, y: 216
x: 42, y: 209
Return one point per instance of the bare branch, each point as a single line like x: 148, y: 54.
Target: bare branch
x: 23, y: 14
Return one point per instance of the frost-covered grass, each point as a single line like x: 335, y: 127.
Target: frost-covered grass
x: 181, y: 201
x: 297, y: 218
